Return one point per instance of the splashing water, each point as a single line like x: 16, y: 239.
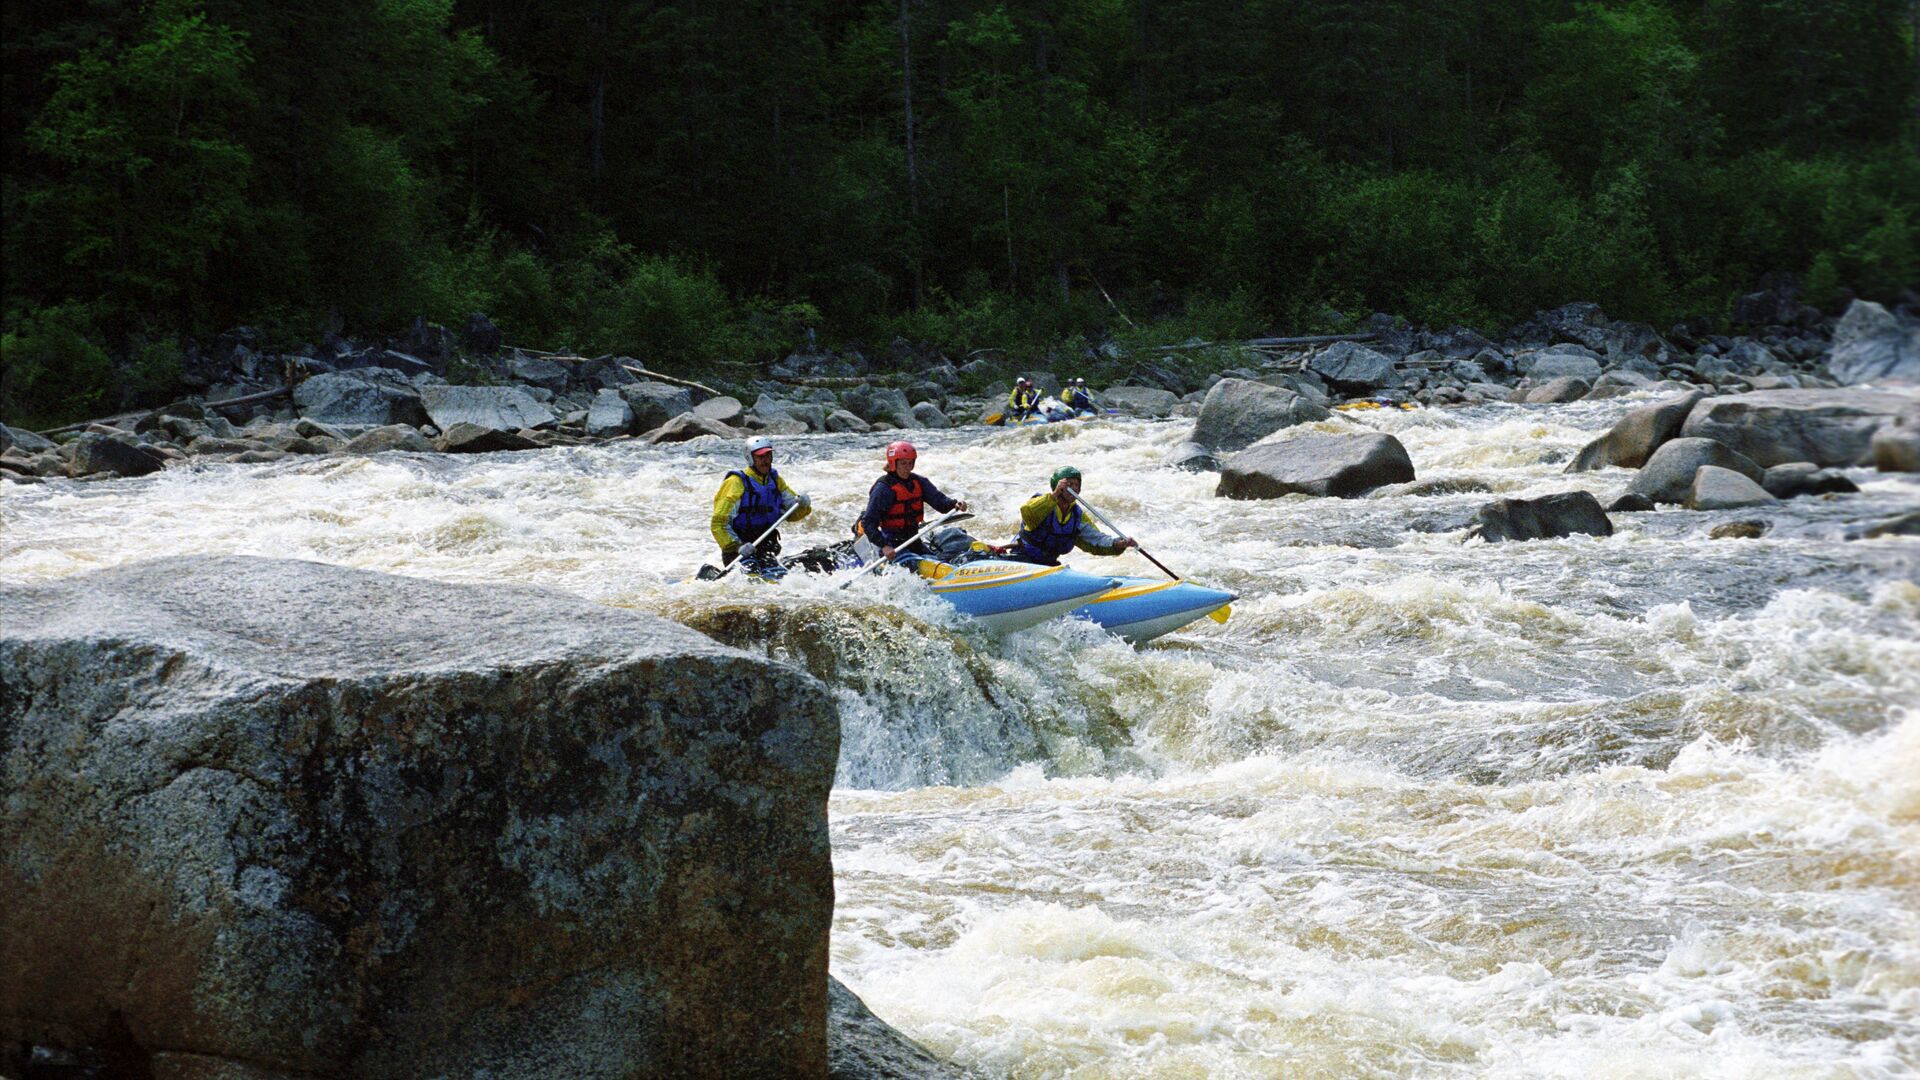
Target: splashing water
x: 1646, y: 805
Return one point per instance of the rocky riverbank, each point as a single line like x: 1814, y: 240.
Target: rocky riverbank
x: 466, y: 393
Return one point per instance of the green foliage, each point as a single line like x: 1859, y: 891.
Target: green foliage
x: 701, y: 184
x: 53, y: 372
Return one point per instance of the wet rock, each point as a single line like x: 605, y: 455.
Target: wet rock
x: 1896, y: 449
x: 541, y: 371
x: 861, y: 1046
x: 27, y: 441
x: 474, y: 439
x: 1904, y: 525
x: 1773, y: 427
x: 875, y: 404
x: 1739, y: 530
x: 1555, y: 391
x: 308, y: 428
x: 1667, y: 476
x: 1637, y: 435
x: 1798, y: 478
x: 1148, y: 401
x: 1191, y: 457
x: 358, y: 399
x: 723, y: 409
x: 690, y: 426
x: 655, y: 403
x: 1630, y: 503
x: 480, y: 335
x: 105, y: 454
x: 277, y: 818
x: 392, y: 437
x: 501, y: 408
x: 1240, y: 412
x: 1562, y: 361
x: 609, y: 416
x: 1871, y: 344
x: 842, y: 420
x: 1337, y: 465
x: 1352, y: 368
x: 1566, y: 513
x: 928, y: 415
x: 1716, y: 488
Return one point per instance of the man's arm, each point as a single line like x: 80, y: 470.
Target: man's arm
x: 788, y: 497
x: 879, y: 501
x: 935, y: 497
x: 725, y: 502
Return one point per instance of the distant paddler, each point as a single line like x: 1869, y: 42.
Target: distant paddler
x: 897, y: 503
x: 1051, y: 525
x: 1023, y: 400
x: 750, y: 504
x: 1077, y: 397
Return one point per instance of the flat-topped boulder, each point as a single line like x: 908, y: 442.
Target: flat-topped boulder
x: 1773, y: 427
x: 1872, y: 345
x: 262, y: 817
x: 500, y: 408
x: 1634, y: 438
x: 1338, y: 465
x: 358, y: 399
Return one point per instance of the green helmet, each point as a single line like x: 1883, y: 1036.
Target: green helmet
x: 1064, y: 472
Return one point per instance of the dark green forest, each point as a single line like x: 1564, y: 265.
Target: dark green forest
x: 701, y: 183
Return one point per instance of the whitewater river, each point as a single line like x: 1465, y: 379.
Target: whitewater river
x: 1638, y: 806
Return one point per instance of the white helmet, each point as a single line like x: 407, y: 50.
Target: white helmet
x: 758, y: 444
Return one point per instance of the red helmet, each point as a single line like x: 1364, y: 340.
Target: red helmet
x: 900, y: 451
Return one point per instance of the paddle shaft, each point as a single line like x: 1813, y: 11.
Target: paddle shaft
x: 951, y: 515
x: 729, y: 568
x: 1102, y: 519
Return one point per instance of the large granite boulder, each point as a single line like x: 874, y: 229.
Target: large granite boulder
x: 1637, y: 435
x: 1564, y: 361
x: 1148, y: 401
x: 1549, y: 517
x: 1896, y: 449
x: 1240, y: 412
x: 1557, y: 390
x: 1354, y: 369
x: 1715, y: 488
x: 690, y: 426
x: 93, y: 453
x: 398, y: 437
x: 609, y: 415
x: 655, y: 403
x: 540, y: 371
x: 1871, y: 344
x: 501, y: 408
x: 1667, y: 476
x: 1773, y: 427
x: 474, y: 439
x: 358, y: 399
x: 1797, y: 478
x: 1338, y: 465
x: 724, y: 409
x: 264, y: 818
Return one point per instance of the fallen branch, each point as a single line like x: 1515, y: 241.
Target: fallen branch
x: 245, y: 399
x: 657, y: 377
x: 1271, y: 342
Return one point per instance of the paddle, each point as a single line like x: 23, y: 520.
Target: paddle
x: 730, y: 567
x: 1102, y: 519
x: 952, y: 515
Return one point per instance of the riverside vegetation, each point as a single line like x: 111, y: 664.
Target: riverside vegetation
x: 697, y: 185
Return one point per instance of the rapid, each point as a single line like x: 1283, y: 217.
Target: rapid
x: 1646, y: 805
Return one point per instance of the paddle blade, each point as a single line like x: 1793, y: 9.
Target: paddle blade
x: 995, y: 419
x: 1221, y: 613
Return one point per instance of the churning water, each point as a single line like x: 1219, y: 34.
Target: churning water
x: 1639, y: 806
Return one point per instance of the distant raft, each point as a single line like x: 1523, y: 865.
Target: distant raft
x: 1365, y: 406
